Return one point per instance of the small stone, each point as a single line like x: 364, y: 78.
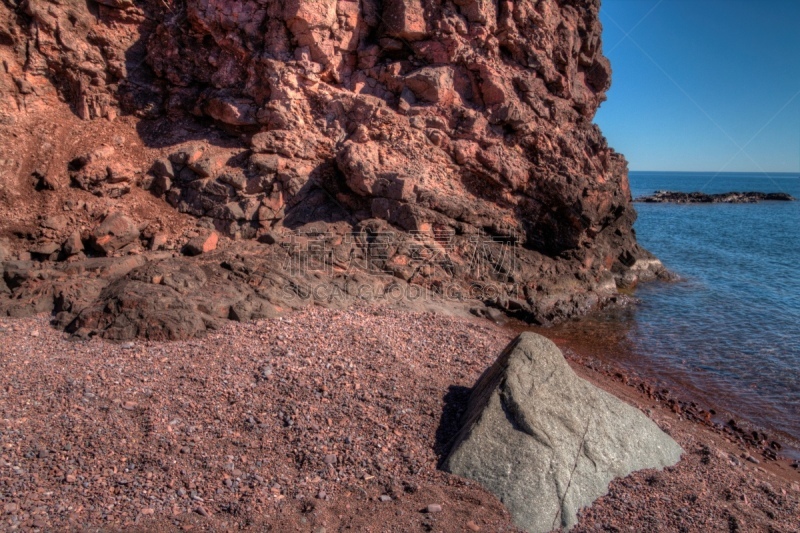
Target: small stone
x: 385, y: 498
x: 202, y: 244
x: 234, y: 179
x: 206, y: 166
x: 753, y: 459
x: 472, y: 526
x: 163, y: 168
x: 56, y: 223
x: 330, y: 459
x: 73, y: 245
x: 187, y: 154
x: 158, y: 241
x: 201, y: 511
x: 264, y: 163
x: 148, y: 511
x: 71, y: 478
x: 116, y: 231
x: 433, y: 508
x: 46, y: 249
x: 129, y: 406
x: 35, y: 333
x: 10, y: 508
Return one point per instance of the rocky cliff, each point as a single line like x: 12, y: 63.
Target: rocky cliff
x: 458, y: 132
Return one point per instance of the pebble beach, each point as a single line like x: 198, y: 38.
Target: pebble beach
x: 315, y: 421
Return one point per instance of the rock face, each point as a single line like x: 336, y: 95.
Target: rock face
x: 481, y: 110
x: 450, y: 122
x: 548, y: 443
x: 660, y: 197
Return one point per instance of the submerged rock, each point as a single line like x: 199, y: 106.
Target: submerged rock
x: 547, y: 442
x: 722, y: 198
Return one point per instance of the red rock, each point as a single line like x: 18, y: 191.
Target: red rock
x: 405, y: 19
x: 432, y: 84
x: 202, y: 244
x: 115, y: 232
x: 236, y: 112
x: 158, y: 241
x: 73, y: 245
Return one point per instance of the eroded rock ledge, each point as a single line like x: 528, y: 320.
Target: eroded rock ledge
x: 428, y: 118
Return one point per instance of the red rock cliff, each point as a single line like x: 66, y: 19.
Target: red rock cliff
x: 459, y: 118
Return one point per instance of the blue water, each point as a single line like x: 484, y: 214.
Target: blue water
x: 731, y: 327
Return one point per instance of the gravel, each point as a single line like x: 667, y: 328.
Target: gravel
x: 320, y: 420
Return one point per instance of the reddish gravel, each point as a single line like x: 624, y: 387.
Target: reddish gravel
x: 319, y: 421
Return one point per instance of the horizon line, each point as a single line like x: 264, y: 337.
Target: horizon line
x: 769, y: 172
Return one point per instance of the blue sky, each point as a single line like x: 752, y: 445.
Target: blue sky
x: 703, y: 85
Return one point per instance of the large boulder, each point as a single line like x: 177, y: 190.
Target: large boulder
x: 546, y: 442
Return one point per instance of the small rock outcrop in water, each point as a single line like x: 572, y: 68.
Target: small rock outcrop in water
x: 547, y: 442
x: 662, y: 197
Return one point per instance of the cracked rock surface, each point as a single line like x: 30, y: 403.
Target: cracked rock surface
x: 546, y: 442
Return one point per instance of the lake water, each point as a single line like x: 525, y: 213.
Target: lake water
x: 728, y: 333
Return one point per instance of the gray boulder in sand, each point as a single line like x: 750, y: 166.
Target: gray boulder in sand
x: 546, y: 442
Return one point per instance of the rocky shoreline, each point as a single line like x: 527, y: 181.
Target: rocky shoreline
x: 721, y: 198
x: 341, y: 420
x: 241, y: 217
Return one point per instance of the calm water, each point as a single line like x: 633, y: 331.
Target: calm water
x: 728, y: 333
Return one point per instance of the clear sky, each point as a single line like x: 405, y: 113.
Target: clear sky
x: 704, y: 85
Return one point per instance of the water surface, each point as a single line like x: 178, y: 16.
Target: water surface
x: 727, y: 333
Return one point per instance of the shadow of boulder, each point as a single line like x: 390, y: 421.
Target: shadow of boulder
x: 450, y: 422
